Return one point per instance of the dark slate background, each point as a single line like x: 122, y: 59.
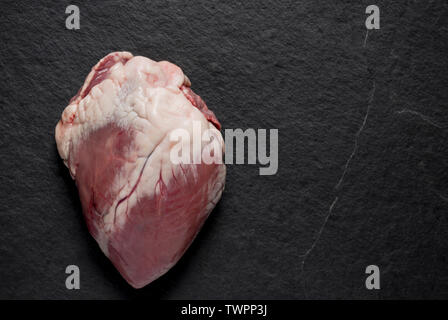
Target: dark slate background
x: 304, y: 67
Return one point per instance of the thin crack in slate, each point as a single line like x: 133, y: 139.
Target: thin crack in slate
x: 358, y: 134
x: 347, y: 164
x: 365, y: 39
x: 319, y: 234
x: 422, y: 116
x: 441, y: 196
x: 320, y: 231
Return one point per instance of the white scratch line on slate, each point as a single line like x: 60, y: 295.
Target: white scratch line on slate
x: 358, y: 134
x: 422, y: 116
x: 365, y: 39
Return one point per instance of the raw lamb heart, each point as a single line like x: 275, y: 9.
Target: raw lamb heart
x: 114, y: 136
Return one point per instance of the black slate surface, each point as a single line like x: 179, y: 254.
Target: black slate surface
x: 304, y: 67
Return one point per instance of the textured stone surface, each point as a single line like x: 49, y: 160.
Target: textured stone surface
x: 304, y: 67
